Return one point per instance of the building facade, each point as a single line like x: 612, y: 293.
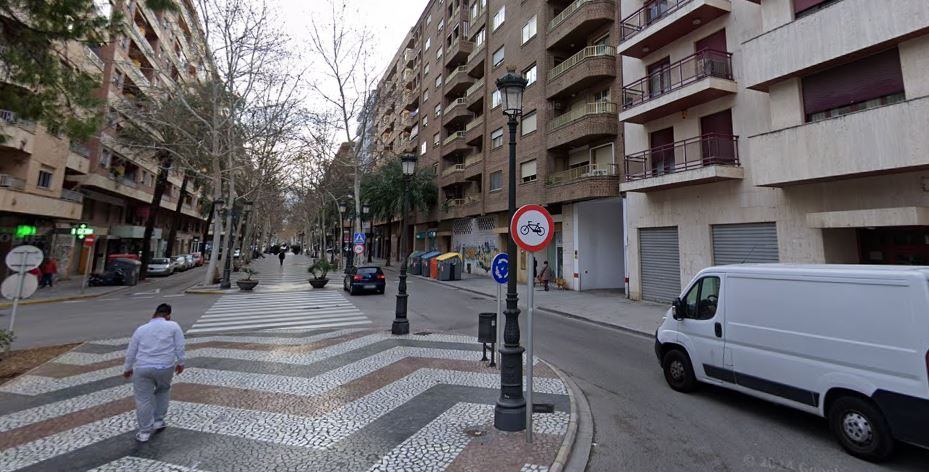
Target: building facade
x: 773, y: 131
x: 439, y: 100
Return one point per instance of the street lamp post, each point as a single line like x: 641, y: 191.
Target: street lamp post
x: 365, y: 210
x: 341, y: 236
x: 227, y: 259
x: 510, y: 410
x: 401, y: 325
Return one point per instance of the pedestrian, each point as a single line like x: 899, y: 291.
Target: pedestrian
x: 49, y: 269
x: 545, y: 275
x: 155, y: 354
x: 281, y: 256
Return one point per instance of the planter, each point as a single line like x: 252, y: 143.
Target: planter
x: 246, y: 284
x: 318, y: 283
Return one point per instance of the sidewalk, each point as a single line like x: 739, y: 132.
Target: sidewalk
x: 63, y: 290
x: 351, y: 400
x: 603, y: 307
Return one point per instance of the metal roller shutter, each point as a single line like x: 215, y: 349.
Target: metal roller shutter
x: 744, y: 243
x: 661, y: 264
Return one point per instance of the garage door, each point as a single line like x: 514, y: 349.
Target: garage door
x: 744, y: 243
x: 661, y: 264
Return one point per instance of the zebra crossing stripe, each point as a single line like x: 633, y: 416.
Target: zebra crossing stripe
x: 289, y: 325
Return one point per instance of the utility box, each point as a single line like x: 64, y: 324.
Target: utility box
x: 449, y: 266
x: 487, y: 328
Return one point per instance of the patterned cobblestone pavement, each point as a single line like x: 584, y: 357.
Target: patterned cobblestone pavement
x: 322, y: 400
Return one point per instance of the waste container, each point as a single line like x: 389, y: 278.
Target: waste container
x: 129, y: 267
x: 427, y: 259
x: 449, y: 265
x: 487, y: 328
x: 416, y: 262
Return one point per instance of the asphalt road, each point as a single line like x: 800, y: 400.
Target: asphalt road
x: 640, y: 424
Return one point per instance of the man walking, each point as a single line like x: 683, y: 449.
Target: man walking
x: 155, y: 354
x: 281, y: 256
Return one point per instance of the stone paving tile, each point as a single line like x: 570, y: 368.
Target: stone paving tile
x: 355, y: 400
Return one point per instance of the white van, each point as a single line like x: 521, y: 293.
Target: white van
x: 847, y: 342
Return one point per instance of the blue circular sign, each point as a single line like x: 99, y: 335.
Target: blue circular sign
x: 500, y: 267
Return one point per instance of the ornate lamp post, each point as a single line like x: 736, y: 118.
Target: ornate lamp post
x: 341, y: 241
x: 365, y: 210
x: 510, y: 410
x: 401, y: 325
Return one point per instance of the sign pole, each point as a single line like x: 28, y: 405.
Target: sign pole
x: 19, y: 290
x: 90, y: 261
x: 499, y: 315
x: 530, y: 296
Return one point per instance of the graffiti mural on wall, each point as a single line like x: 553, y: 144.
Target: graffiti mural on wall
x: 477, y: 243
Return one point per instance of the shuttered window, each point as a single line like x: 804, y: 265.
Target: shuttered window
x: 527, y: 170
x: 867, y: 79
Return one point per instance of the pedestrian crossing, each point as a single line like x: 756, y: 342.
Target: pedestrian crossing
x: 306, y: 309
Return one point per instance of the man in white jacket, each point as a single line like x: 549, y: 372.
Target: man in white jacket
x: 155, y: 354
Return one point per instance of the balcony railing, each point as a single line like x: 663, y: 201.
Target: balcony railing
x: 706, y: 63
x: 72, y: 196
x: 601, y: 50
x: 462, y: 70
x: 648, y: 14
x: 453, y: 169
x: 12, y: 183
x: 559, y: 18
x: 580, y: 112
x: 10, y: 117
x: 581, y: 172
x: 473, y: 159
x: 458, y: 102
x: 474, y: 123
x: 79, y: 149
x: 452, y: 137
x: 477, y: 86
x: 477, y: 50
x: 709, y: 149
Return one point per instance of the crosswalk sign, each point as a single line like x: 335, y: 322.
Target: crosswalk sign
x: 359, y: 238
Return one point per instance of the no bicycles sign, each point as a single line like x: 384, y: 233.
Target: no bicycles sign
x: 532, y: 227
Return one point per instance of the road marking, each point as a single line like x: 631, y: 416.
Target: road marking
x: 152, y: 292
x: 260, y: 311
x: 108, y: 299
x: 75, y: 301
x: 175, y: 295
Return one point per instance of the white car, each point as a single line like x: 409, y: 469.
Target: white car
x: 160, y: 266
x: 180, y: 263
x: 849, y: 343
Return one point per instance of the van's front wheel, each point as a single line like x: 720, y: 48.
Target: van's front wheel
x: 678, y: 371
x: 861, y: 428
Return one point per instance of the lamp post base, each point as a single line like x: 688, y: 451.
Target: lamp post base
x: 226, y: 282
x: 400, y: 327
x: 510, y: 418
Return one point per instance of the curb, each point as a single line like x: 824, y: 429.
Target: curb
x: 575, y: 448
x: 59, y: 299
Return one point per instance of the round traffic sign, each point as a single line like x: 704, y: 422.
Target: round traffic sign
x: 11, y: 283
x: 500, y: 268
x: 532, y: 227
x: 24, y: 258
x: 358, y: 249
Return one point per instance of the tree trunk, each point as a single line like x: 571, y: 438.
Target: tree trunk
x: 206, y: 230
x: 164, y: 165
x: 389, y: 242
x: 178, y: 217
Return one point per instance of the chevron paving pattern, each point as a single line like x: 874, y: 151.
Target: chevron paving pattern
x: 348, y: 399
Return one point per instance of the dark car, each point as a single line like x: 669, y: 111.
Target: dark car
x: 364, y: 279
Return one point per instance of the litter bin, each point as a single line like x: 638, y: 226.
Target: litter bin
x: 416, y: 262
x: 427, y: 259
x: 487, y: 328
x: 449, y: 265
x: 129, y: 267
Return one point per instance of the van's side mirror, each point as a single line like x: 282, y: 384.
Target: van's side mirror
x: 677, y: 309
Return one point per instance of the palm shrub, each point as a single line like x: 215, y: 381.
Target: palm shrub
x: 320, y: 269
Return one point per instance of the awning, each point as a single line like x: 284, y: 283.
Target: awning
x: 877, y: 217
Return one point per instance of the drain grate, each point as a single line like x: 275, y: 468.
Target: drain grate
x: 475, y: 433
x: 422, y: 333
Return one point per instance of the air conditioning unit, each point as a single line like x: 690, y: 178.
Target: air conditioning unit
x: 598, y: 172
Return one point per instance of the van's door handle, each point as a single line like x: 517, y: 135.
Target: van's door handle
x: 719, y: 330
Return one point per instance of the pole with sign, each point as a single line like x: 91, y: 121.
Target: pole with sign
x: 22, y: 284
x: 532, y: 229
x: 499, y: 268
x: 89, y: 241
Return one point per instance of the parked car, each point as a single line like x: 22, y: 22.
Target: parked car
x: 180, y: 263
x: 191, y: 261
x: 198, y: 258
x: 848, y: 343
x: 160, y: 266
x: 364, y: 279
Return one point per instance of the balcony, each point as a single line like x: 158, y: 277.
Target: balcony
x: 457, y: 82
x: 453, y: 169
x: 704, y: 159
x: 582, y: 70
x: 583, y: 124
x: 456, y: 113
x: 474, y: 131
x: 78, y: 158
x: 410, y: 100
x: 476, y: 60
x: 13, y: 183
x: 409, y: 57
x: 848, y: 29
x: 17, y: 134
x: 455, y: 143
x: 704, y: 76
x: 475, y: 95
x: 578, y: 20
x: 660, y: 22
x: 408, y: 75
x: 14, y: 200
x: 458, y: 52
x: 882, y: 140
x: 72, y: 196
x: 582, y: 183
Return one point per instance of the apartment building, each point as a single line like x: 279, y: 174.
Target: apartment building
x: 440, y: 101
x: 157, y: 49
x: 773, y: 131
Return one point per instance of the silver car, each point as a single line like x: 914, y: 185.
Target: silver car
x: 160, y: 266
x: 191, y: 261
x: 180, y: 263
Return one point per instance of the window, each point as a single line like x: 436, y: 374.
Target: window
x: 428, y: 43
x: 867, y: 83
x: 480, y: 37
x: 496, y: 138
x: 429, y: 19
x: 438, y: 110
x: 425, y: 96
x: 475, y: 9
x: 438, y: 54
x: 527, y: 171
x: 435, y: 168
x: 441, y: 24
x: 438, y: 81
x: 45, y: 178
x: 496, y: 181
x: 495, y: 99
x: 499, y: 17
x: 422, y: 148
x: 529, y: 29
x: 426, y: 70
x: 530, y: 74
x: 498, y: 57
x: 425, y: 121
x: 529, y: 123
x: 700, y: 302
x: 105, y: 158
x: 435, y: 139
x: 602, y: 96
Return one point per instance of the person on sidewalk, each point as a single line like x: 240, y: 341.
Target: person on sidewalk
x: 155, y: 354
x: 49, y: 269
x: 281, y: 256
x: 545, y: 275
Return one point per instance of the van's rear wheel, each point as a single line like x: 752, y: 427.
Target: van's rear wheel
x: 860, y: 428
x: 678, y: 371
